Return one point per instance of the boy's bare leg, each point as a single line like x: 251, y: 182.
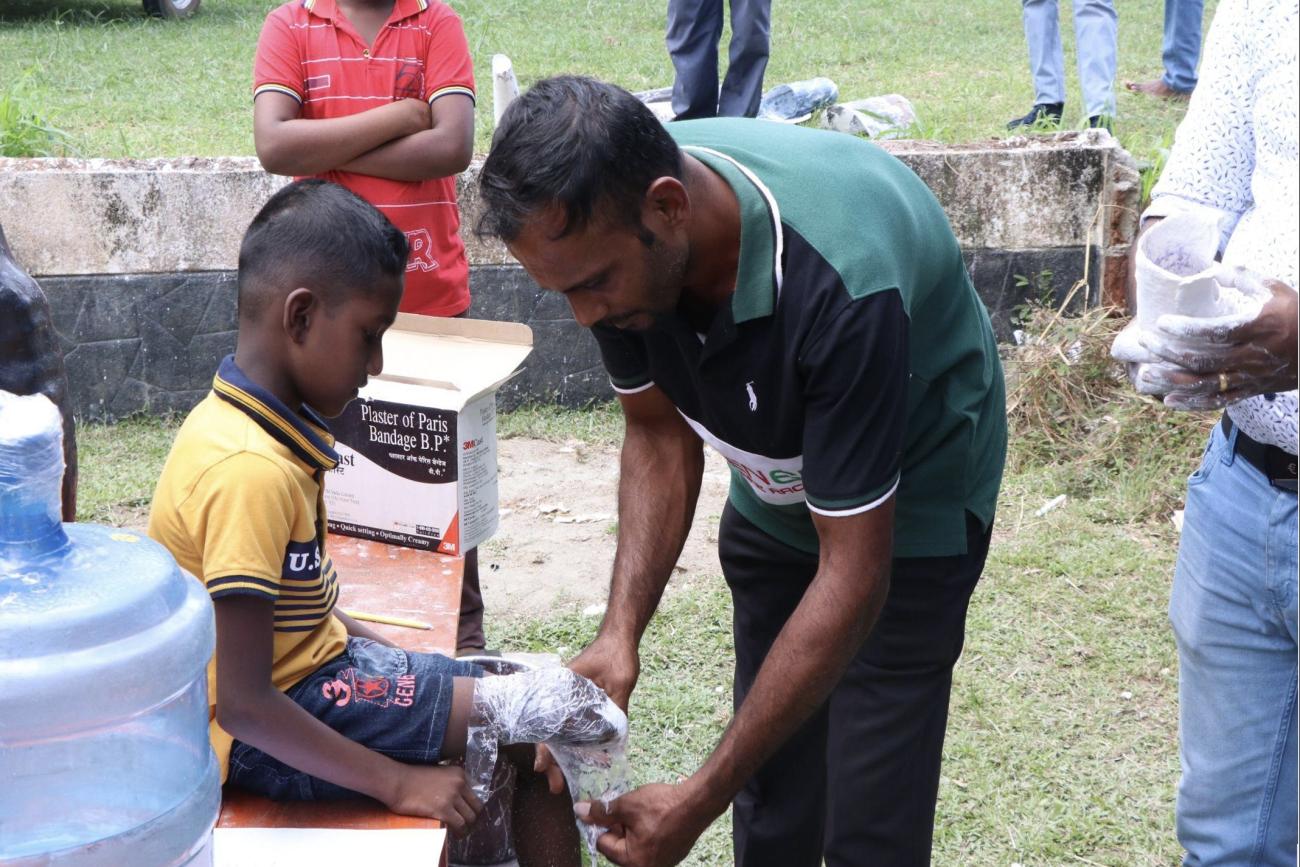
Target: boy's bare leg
x: 546, y: 834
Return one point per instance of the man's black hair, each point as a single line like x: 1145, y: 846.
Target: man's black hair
x: 578, y: 143
x: 320, y: 236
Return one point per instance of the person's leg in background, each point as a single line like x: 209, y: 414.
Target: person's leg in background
x: 469, y: 628
x: 1181, y: 52
x: 742, y: 88
x: 889, y: 714
x: 1096, y: 31
x: 1046, y: 62
x: 778, y: 818
x: 1182, y: 48
x: 694, y: 28
x: 1233, y: 611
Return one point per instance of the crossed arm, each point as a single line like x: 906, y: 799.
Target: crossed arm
x: 404, y: 140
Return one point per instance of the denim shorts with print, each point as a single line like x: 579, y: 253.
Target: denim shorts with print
x: 393, y: 702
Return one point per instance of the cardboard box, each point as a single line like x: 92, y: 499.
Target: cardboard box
x: 418, y: 447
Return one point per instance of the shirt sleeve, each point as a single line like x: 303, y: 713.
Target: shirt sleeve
x: 625, y: 359
x: 1213, y: 155
x: 856, y: 374
x: 277, y: 66
x: 241, y: 512
x: 448, y: 67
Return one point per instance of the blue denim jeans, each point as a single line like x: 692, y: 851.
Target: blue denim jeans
x: 394, y: 702
x: 1233, y: 611
x: 1096, y: 29
x: 1182, y: 48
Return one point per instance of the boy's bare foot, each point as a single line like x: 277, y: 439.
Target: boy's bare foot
x: 1157, y: 87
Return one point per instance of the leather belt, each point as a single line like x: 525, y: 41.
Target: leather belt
x: 1277, y: 465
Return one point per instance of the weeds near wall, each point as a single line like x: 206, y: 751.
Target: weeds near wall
x: 1073, y: 413
x: 23, y: 132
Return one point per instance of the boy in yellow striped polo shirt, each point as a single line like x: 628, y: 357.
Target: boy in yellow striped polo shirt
x: 304, y: 702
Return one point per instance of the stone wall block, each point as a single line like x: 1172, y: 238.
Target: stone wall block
x: 137, y: 258
x: 1021, y: 193
x: 172, y: 215
x: 132, y: 216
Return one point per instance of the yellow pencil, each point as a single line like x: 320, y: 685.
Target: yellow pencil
x: 391, y: 621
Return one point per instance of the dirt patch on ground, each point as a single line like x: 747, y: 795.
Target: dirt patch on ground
x: 558, y: 528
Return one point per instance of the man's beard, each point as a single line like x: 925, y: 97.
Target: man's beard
x: 665, y: 271
x: 665, y: 276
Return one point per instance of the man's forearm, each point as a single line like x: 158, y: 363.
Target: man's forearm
x: 430, y: 153
x: 805, y: 663
x: 659, y: 485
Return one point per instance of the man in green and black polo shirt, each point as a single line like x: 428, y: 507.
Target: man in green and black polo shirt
x: 797, y: 300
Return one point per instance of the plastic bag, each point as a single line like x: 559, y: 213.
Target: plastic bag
x: 584, y: 730
x: 887, y: 116
x: 795, y: 102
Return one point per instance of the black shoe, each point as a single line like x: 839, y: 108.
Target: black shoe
x: 1102, y: 121
x: 1042, y: 114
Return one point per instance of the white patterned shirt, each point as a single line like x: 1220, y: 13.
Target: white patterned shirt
x: 1236, y: 156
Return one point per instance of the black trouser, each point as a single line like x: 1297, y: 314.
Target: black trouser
x: 858, y: 781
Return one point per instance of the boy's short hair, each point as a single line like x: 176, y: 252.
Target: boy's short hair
x: 321, y: 236
x: 578, y: 143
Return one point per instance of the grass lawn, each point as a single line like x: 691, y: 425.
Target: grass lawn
x: 1062, y: 736
x: 124, y: 85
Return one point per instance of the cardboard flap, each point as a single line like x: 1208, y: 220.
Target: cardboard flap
x: 463, y: 357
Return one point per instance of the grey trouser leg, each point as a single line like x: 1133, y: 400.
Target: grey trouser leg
x: 1046, y: 61
x: 1096, y: 35
x: 694, y: 27
x: 751, y: 25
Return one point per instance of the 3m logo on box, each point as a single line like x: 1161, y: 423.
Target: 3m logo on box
x: 401, y: 478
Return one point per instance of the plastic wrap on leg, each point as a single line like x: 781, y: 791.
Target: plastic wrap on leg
x: 594, y: 773
x: 584, y: 730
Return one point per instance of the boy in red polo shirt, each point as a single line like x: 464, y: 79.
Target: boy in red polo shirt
x: 378, y: 96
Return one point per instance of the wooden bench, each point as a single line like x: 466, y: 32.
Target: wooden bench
x: 377, y: 579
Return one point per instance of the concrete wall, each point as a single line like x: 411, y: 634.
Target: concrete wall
x: 137, y: 257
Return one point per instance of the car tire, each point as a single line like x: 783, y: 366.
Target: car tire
x: 171, y: 8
